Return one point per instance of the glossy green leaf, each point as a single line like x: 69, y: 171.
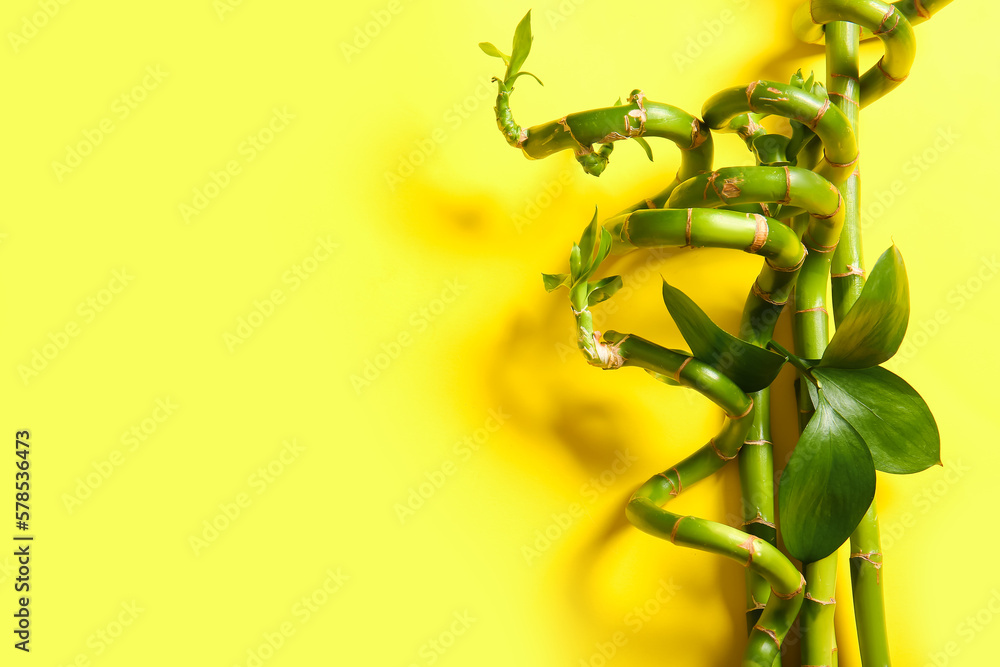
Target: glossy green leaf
x: 574, y: 263
x: 522, y: 45
x: 873, y: 329
x: 890, y: 415
x: 826, y: 488
x: 491, y: 50
x: 645, y: 146
x: 603, y: 289
x: 752, y: 368
x: 587, y: 242
x: 514, y: 77
x: 603, y: 251
x: 554, y: 281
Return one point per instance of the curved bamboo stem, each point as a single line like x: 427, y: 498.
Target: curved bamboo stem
x: 885, y: 21
x: 645, y: 509
x: 580, y: 131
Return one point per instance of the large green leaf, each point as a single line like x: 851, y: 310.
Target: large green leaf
x: 826, y: 488
x: 752, y: 368
x: 890, y: 415
x: 873, y: 329
x: 522, y: 45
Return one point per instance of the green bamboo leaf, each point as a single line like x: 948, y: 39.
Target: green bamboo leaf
x: 574, y: 263
x: 890, y: 415
x: 491, y: 50
x: 510, y: 81
x: 521, y: 47
x: 873, y: 329
x: 603, y: 289
x: 645, y: 146
x: 587, y: 241
x: 604, y: 250
x: 752, y: 368
x: 826, y: 488
x: 554, y: 281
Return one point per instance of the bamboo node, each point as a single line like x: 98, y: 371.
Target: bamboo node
x: 881, y: 68
x: 609, y: 353
x: 750, y: 90
x: 852, y: 270
x: 749, y: 545
x: 770, y: 633
x: 841, y: 165
x: 832, y: 600
x: 745, y: 412
x: 673, y: 531
x: 719, y: 453
x: 677, y: 375
x: 819, y: 115
x: 759, y: 234
x: 766, y: 296
x: 846, y: 98
x: 881, y: 26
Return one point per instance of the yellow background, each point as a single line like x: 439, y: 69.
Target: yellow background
x: 438, y: 272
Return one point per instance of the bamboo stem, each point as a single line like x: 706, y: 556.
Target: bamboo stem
x: 645, y: 512
x: 866, y: 580
x: 817, y: 619
x: 848, y: 280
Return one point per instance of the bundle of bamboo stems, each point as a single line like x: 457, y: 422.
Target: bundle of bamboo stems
x: 798, y: 208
